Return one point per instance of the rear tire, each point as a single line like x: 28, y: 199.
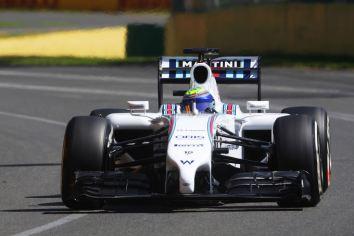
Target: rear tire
x: 297, y: 148
x: 321, y: 117
x: 84, y: 149
x: 104, y: 112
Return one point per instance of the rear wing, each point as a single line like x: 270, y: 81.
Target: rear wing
x: 226, y: 70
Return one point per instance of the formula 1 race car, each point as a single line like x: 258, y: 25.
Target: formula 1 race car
x: 200, y: 149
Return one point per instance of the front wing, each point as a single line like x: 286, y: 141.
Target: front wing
x: 259, y: 186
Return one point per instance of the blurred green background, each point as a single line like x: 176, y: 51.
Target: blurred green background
x: 298, y: 33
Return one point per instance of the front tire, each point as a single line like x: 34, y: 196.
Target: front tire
x: 296, y: 139
x: 321, y: 117
x: 84, y: 149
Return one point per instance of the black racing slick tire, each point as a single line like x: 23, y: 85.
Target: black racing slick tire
x: 296, y: 139
x: 321, y: 117
x: 84, y: 149
x: 104, y: 112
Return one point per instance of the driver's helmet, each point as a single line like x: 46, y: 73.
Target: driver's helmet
x: 197, y: 98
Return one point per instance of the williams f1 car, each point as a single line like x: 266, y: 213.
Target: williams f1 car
x: 200, y: 149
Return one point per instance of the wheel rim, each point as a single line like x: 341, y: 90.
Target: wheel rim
x: 318, y: 160
x: 329, y: 160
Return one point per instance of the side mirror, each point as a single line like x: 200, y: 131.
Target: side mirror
x: 136, y: 106
x: 254, y: 106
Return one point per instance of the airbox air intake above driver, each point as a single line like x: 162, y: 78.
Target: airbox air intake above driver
x: 200, y: 74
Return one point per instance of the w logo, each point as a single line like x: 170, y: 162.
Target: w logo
x: 187, y: 162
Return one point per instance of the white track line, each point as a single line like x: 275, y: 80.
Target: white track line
x: 120, y: 79
x: 72, y: 77
x: 77, y: 90
x: 60, y: 221
x: 70, y: 218
x: 335, y: 115
x: 33, y: 118
x: 297, y: 89
x: 342, y: 116
x: 51, y: 225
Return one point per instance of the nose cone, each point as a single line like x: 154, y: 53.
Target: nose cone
x: 186, y: 177
x: 190, y: 148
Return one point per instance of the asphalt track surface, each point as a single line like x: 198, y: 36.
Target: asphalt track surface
x: 36, y: 103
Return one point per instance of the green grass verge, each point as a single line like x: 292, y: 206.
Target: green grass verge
x: 330, y: 62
